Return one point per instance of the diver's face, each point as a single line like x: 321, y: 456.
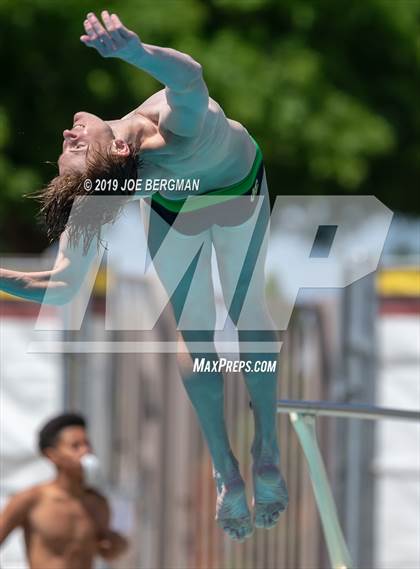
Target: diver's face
x: 86, y: 130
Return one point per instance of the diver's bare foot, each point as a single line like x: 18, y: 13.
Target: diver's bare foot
x: 232, y: 513
x: 270, y: 494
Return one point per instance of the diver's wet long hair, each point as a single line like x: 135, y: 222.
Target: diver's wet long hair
x: 84, y: 217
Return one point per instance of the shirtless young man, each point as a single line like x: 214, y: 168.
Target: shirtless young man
x: 65, y: 523
x: 181, y: 132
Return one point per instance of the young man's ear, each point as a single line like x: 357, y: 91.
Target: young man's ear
x: 120, y: 147
x: 51, y: 454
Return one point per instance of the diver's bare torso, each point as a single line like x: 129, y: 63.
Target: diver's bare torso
x: 221, y: 154
x: 61, y: 531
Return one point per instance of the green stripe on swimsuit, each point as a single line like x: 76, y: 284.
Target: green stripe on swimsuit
x: 203, y: 200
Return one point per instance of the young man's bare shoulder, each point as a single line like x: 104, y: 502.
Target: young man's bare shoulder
x: 150, y: 107
x: 96, y: 498
x: 29, y: 497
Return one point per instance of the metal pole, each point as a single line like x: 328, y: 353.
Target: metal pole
x: 304, y: 425
x: 352, y: 411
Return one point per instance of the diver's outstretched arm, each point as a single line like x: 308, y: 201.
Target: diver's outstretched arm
x: 56, y: 286
x: 186, y: 92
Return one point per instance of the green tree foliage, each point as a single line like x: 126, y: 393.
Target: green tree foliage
x: 330, y: 90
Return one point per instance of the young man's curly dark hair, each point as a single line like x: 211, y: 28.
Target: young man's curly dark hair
x: 84, y: 217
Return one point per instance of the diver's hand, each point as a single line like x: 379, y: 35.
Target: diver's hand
x: 113, y: 40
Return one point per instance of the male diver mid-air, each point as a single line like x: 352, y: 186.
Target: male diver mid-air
x: 181, y: 132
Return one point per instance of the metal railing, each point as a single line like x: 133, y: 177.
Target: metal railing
x: 353, y: 411
x: 303, y: 416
